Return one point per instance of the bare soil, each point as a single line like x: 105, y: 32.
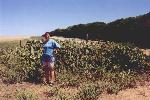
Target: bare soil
x: 139, y: 93
x: 7, y: 92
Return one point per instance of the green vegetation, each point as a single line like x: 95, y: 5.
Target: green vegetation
x: 93, y: 67
x: 89, y: 92
x: 133, y: 29
x: 24, y: 94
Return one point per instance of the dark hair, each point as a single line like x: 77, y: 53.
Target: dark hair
x: 46, y: 35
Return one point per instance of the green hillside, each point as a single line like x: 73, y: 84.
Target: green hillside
x: 132, y: 29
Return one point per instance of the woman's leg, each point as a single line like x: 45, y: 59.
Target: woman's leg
x: 46, y: 71
x: 52, y: 72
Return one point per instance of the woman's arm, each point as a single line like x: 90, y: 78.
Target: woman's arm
x: 56, y: 45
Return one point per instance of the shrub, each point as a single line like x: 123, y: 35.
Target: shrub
x: 76, y: 62
x: 67, y: 79
x: 88, y: 92
x: 52, y: 91
x: 62, y: 96
x: 24, y: 94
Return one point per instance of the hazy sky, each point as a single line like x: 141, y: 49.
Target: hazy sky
x: 34, y: 17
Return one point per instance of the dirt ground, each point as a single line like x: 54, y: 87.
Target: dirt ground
x: 7, y: 92
x: 139, y: 93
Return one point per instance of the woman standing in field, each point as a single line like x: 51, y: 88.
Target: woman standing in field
x: 48, y: 58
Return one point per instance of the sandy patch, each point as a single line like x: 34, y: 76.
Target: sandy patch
x: 139, y: 93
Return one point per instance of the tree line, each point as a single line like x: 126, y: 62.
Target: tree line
x: 133, y: 29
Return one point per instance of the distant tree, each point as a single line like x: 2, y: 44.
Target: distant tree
x: 132, y: 29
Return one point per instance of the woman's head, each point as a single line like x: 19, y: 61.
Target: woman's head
x: 46, y: 36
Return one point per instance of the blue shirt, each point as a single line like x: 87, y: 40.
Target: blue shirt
x: 49, y: 47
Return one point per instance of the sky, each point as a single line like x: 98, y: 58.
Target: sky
x: 34, y: 17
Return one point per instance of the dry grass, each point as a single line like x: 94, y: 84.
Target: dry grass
x: 12, y: 38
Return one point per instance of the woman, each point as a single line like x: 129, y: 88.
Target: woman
x: 48, y: 58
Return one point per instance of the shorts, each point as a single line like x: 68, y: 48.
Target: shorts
x: 48, y: 58
x: 48, y: 62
